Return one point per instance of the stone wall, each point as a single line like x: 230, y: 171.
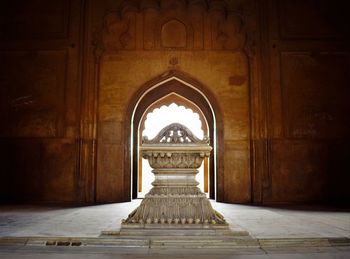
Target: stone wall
x: 141, y: 41
x: 39, y: 98
x: 307, y: 56
x: 278, y: 71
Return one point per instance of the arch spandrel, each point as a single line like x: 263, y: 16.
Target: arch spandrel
x: 178, y: 100
x: 191, y: 89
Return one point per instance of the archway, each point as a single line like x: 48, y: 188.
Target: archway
x: 182, y: 85
x: 171, y: 108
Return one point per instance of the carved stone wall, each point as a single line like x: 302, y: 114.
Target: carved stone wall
x: 309, y: 102
x: 310, y: 79
x: 35, y: 19
x: 39, y: 101
x: 118, y: 87
x: 174, y: 24
x: 277, y: 70
x: 32, y: 92
x: 144, y: 39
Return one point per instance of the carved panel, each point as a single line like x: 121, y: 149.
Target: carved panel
x: 173, y: 34
x: 120, y: 31
x: 313, y: 19
x: 315, y: 94
x: 175, y: 133
x: 227, y: 32
x: 237, y: 179
x: 38, y: 170
x: 299, y: 171
x: 32, y: 86
x: 34, y: 19
x: 110, y: 179
x: 174, y: 24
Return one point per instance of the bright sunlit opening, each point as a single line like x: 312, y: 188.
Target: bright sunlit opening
x: 155, y: 122
x: 165, y: 115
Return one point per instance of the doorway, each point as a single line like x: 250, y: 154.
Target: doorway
x: 172, y: 108
x: 175, y: 84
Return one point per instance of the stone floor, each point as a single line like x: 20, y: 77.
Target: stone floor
x: 269, y: 225
x: 89, y: 221
x: 108, y: 252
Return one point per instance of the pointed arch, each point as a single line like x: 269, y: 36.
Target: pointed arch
x: 179, y: 100
x: 172, y: 100
x: 182, y: 84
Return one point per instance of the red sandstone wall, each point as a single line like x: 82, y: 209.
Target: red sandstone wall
x: 308, y: 64
x: 279, y: 71
x: 39, y: 99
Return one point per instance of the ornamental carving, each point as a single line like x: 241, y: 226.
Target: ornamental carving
x: 175, y: 133
x: 174, y: 160
x: 175, y: 154
x: 173, y: 24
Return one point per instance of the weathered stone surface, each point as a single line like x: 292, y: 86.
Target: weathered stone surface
x: 39, y: 102
x: 276, y: 73
x: 322, y: 114
x: 117, y: 88
x: 32, y: 102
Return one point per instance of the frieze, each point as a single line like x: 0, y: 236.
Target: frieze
x: 201, y: 25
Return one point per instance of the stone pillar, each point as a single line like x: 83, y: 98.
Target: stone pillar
x: 175, y: 201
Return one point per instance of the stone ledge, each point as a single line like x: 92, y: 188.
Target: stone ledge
x: 182, y: 233
x: 209, y: 242
x: 172, y: 226
x: 293, y: 242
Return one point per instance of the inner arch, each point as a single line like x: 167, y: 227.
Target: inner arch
x: 163, y: 116
x: 172, y: 108
x: 177, y: 82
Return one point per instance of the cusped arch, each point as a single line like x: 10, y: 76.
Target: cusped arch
x: 167, y: 100
x: 164, y: 103
x: 191, y: 89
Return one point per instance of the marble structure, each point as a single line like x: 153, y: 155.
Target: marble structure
x: 175, y: 201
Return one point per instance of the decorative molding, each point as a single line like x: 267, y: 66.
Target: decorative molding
x: 225, y: 30
x: 175, y: 133
x: 119, y: 31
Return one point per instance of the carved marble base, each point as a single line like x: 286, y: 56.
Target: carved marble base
x: 175, y: 206
x: 175, y: 201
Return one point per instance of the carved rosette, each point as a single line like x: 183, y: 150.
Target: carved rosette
x: 175, y: 154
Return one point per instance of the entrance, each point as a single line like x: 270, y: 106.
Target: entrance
x: 172, y: 108
x: 187, y: 94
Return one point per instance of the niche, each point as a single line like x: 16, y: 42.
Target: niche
x: 173, y: 34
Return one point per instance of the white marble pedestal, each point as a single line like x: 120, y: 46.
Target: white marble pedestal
x: 175, y: 204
